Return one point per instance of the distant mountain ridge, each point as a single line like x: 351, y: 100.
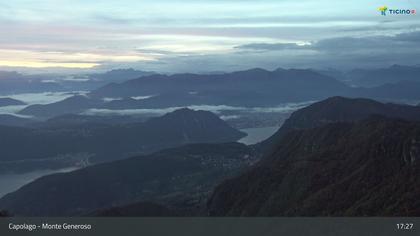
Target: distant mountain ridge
x: 396, y: 82
x: 252, y: 87
x: 381, y: 76
x: 71, y: 105
x: 119, y: 75
x: 14, y: 82
x: 249, y: 88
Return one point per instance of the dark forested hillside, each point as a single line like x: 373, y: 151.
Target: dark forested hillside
x: 340, y: 109
x: 179, y: 178
x: 96, y: 143
x: 367, y: 168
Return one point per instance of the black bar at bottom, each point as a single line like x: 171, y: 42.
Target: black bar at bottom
x: 210, y: 226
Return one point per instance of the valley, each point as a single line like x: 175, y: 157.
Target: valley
x: 219, y: 145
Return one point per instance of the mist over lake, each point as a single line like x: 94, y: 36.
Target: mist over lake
x: 282, y: 108
x: 35, y: 98
x: 43, y: 97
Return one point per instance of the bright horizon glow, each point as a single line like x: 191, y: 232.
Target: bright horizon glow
x: 39, y: 64
x: 73, y: 60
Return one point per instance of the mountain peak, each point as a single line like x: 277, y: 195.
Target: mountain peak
x: 340, y: 109
x: 184, y: 110
x: 195, y: 124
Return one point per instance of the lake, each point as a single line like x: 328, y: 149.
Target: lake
x: 12, y: 182
x: 256, y: 135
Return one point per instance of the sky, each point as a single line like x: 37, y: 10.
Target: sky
x: 205, y: 36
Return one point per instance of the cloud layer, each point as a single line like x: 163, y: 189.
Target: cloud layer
x: 177, y: 36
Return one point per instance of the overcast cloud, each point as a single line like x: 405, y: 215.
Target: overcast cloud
x: 204, y: 36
